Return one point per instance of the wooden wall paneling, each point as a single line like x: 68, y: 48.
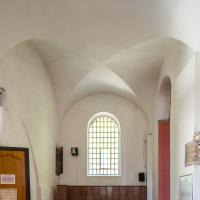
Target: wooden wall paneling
x: 90, y: 193
x: 96, y: 193
x: 73, y: 193
x: 109, y: 193
x: 138, y: 193
x: 81, y: 193
x: 62, y: 192
x: 113, y: 193
x: 125, y: 193
x: 143, y: 193
x: 135, y: 193
x: 116, y: 195
x: 103, y: 193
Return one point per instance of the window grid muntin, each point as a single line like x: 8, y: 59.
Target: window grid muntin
x: 103, y: 135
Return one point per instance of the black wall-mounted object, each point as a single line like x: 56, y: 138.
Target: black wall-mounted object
x: 59, y: 160
x: 141, y: 176
x: 74, y: 151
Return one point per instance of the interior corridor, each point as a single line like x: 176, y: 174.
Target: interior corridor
x: 99, y: 100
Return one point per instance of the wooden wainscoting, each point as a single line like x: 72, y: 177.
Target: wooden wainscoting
x: 101, y: 192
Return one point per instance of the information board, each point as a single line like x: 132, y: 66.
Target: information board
x: 7, y: 179
x: 8, y: 194
x: 186, y: 191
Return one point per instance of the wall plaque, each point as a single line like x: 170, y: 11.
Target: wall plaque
x: 8, y: 194
x: 59, y: 160
x: 191, y: 154
x: 7, y: 179
x: 186, y: 191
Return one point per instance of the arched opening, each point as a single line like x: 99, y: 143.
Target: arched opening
x: 164, y: 105
x: 24, y: 76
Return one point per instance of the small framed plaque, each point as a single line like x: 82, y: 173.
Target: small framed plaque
x: 190, y: 154
x: 8, y: 194
x: 186, y: 189
x: 8, y: 179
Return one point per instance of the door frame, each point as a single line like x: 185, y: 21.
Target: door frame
x: 27, y: 166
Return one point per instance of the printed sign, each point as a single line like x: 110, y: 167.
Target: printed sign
x: 186, y: 187
x: 8, y: 194
x: 8, y: 179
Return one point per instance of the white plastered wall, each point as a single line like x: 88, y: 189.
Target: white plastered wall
x: 29, y: 116
x: 179, y: 65
x: 133, y: 132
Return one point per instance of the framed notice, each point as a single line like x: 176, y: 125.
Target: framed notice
x: 191, y: 154
x: 7, y: 179
x: 186, y: 189
x: 8, y: 194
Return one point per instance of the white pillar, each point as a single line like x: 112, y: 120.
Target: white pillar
x: 2, y: 98
x: 196, y: 176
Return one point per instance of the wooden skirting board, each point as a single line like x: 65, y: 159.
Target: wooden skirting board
x: 65, y: 192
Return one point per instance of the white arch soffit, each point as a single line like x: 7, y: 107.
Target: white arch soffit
x: 102, y: 80
x: 164, y: 99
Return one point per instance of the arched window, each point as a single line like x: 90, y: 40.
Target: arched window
x: 103, y: 145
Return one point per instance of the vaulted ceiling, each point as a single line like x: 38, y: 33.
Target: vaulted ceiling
x: 93, y: 46
x: 132, y: 73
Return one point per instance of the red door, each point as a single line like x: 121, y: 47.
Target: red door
x: 164, y: 160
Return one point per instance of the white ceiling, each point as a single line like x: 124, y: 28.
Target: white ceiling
x: 99, y: 29
x: 132, y: 73
x: 124, y: 39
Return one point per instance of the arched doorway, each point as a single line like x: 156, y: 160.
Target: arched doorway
x: 164, y: 105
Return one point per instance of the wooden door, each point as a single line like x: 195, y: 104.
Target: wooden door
x: 14, y: 173
x: 164, y: 160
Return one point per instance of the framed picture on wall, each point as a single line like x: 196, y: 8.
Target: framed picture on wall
x: 185, y: 187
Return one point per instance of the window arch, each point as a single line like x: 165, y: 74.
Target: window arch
x: 103, y: 145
